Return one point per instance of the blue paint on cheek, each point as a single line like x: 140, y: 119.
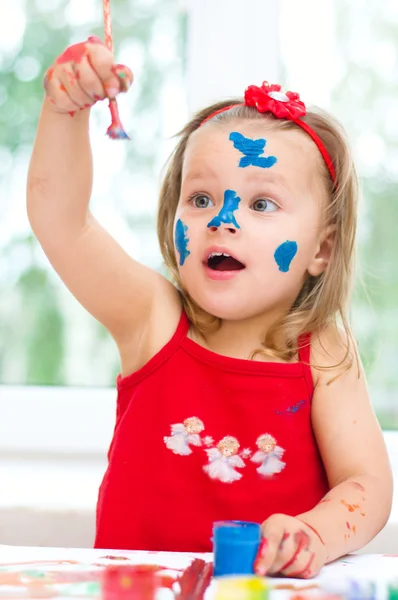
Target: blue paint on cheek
x: 284, y: 255
x: 226, y: 214
x: 181, y: 241
x: 252, y: 150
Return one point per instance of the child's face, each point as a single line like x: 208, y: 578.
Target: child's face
x: 255, y: 194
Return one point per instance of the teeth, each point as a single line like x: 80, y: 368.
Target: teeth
x: 213, y: 254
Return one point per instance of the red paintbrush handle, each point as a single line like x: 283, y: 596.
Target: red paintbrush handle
x: 115, y: 130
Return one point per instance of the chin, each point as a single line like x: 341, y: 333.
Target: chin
x: 226, y: 309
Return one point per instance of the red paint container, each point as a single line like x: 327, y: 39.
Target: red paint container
x: 129, y: 582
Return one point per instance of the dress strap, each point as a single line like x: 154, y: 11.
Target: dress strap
x: 304, y: 352
x: 164, y: 354
x: 304, y: 348
x: 182, y: 329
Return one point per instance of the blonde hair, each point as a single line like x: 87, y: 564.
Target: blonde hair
x: 322, y: 300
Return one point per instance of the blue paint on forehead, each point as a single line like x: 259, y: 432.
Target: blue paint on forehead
x: 181, y: 241
x: 284, y: 255
x: 252, y: 150
x: 226, y: 214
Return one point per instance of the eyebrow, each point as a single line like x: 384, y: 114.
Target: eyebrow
x: 265, y: 177
x: 201, y: 175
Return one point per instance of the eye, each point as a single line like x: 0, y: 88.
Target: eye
x: 264, y: 205
x: 201, y: 201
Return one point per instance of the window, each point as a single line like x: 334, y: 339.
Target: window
x: 185, y: 55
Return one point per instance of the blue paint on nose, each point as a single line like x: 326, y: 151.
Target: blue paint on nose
x: 226, y: 214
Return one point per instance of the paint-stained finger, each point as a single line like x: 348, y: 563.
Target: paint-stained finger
x: 70, y: 83
x: 58, y: 95
x: 286, y: 549
x: 125, y: 76
x: 301, y: 545
x: 89, y: 81
x: 102, y: 63
x: 261, y: 557
x: 272, y: 531
x: 304, y: 566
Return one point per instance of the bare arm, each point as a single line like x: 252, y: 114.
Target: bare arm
x: 356, y: 463
x: 354, y: 454
x: 121, y: 293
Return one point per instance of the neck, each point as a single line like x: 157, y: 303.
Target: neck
x: 238, y: 339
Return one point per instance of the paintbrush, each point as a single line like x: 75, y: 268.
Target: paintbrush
x: 195, y: 580
x: 115, y: 130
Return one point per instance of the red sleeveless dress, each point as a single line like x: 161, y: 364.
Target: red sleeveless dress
x: 201, y: 437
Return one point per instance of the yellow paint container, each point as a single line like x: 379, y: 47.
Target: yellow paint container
x: 241, y: 588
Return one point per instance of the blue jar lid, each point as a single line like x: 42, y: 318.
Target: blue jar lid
x: 236, y: 531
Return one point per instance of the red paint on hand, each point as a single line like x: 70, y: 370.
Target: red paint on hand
x: 285, y: 537
x: 124, y: 75
x: 306, y: 571
x: 74, y: 53
x: 261, y: 554
x: 94, y: 39
x: 314, y: 530
x: 47, y: 77
x: 302, y: 540
x: 263, y: 548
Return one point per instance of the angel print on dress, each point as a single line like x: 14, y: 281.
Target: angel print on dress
x: 184, y: 434
x: 223, y: 459
x: 268, y: 456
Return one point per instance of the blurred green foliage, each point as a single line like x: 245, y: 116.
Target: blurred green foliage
x: 32, y: 306
x: 33, y: 327
x: 365, y: 100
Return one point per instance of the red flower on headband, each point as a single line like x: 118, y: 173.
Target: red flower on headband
x: 270, y: 98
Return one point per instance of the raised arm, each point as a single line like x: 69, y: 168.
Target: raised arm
x: 127, y: 297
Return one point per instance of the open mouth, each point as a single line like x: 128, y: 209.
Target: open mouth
x: 219, y: 261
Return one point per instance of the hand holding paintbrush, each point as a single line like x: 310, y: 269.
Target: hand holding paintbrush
x: 86, y: 73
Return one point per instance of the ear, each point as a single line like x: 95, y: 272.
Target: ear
x: 324, y: 251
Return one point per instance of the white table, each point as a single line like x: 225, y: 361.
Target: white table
x: 27, y: 572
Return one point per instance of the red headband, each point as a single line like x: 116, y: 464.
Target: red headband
x: 269, y: 98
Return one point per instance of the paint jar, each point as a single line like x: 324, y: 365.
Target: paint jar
x: 235, y: 546
x: 129, y: 582
x: 241, y: 588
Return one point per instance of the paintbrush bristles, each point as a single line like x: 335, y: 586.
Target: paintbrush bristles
x: 195, y: 580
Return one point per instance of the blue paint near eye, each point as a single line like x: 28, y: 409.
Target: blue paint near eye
x: 226, y: 214
x: 181, y: 241
x: 284, y: 255
x: 252, y: 150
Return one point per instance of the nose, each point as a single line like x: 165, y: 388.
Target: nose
x: 229, y: 227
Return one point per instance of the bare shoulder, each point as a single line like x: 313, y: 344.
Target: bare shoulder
x: 158, y: 329
x: 334, y: 355
x: 344, y: 423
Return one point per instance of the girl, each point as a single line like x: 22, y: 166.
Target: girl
x: 239, y: 397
